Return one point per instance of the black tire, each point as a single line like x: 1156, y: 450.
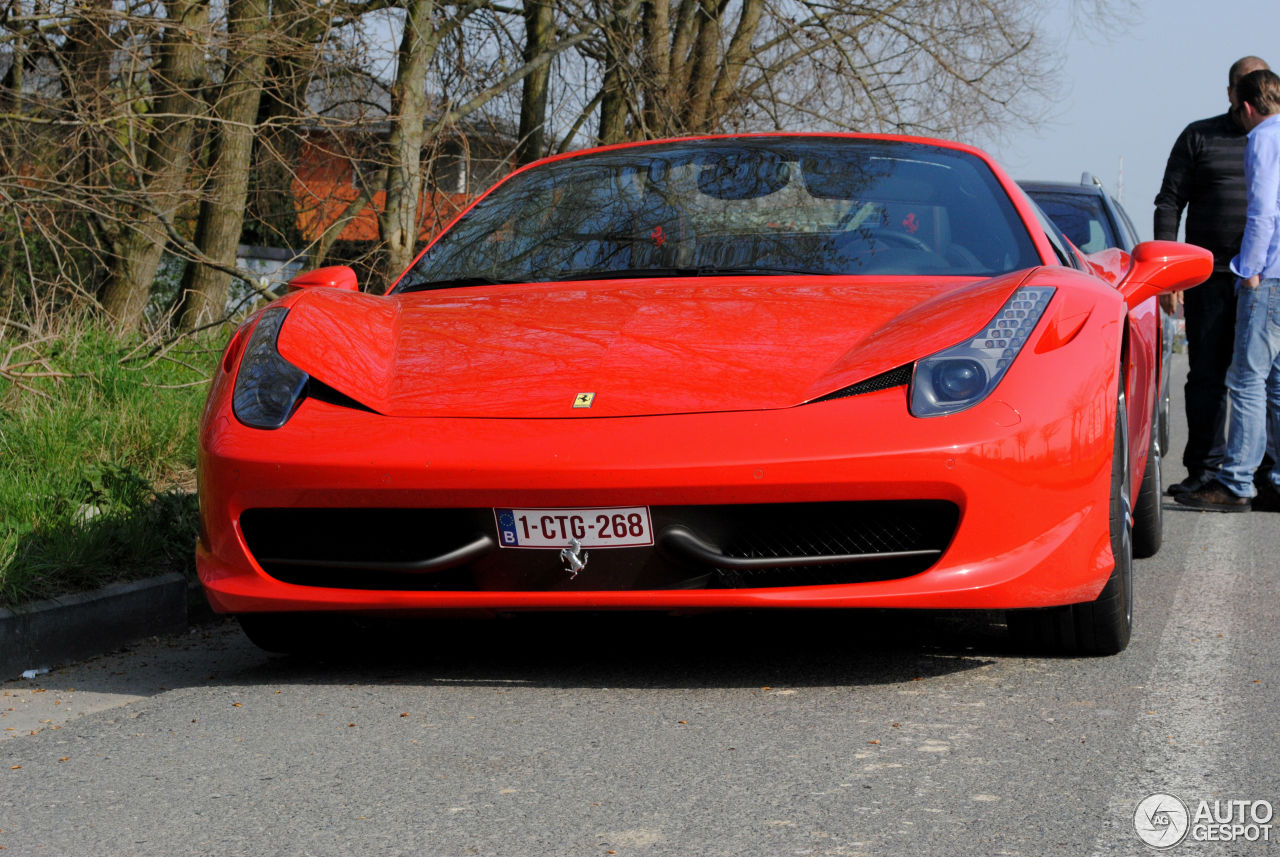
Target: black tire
x: 291, y: 633
x: 1148, y: 510
x: 1102, y: 626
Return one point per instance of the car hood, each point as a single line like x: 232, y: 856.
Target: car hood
x: 640, y: 346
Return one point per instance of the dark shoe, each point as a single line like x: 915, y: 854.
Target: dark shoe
x: 1194, y: 482
x: 1268, y: 499
x: 1214, y: 497
x: 1262, y: 476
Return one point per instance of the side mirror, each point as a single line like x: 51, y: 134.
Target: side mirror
x: 332, y: 277
x: 1161, y: 267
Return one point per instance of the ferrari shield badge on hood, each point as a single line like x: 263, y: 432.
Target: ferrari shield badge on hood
x: 584, y: 400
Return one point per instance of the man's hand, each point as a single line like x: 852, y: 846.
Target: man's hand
x: 1253, y: 281
x: 1169, y: 302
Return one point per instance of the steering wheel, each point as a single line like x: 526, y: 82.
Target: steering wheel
x: 879, y: 233
x: 961, y: 256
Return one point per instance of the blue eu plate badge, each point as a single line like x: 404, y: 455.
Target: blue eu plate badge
x: 507, y: 528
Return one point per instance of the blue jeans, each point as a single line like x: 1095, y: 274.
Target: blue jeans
x: 1253, y: 382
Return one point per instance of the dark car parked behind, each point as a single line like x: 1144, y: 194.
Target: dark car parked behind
x: 1085, y: 212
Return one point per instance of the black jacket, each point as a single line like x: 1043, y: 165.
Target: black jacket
x: 1205, y: 175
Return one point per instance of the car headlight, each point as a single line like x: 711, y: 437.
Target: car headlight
x: 965, y: 374
x: 268, y: 387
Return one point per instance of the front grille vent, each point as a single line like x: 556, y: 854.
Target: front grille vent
x: 740, y: 546
x: 813, y: 544
x: 362, y: 548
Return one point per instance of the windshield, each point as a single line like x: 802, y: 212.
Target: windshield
x: 739, y: 206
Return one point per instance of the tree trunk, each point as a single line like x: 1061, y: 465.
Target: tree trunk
x: 681, y: 55
x: 177, y: 82
x: 705, y: 61
x: 398, y: 220
x: 86, y: 81
x: 272, y: 208
x: 657, y: 65
x: 735, y: 60
x: 204, y: 286
x: 617, y: 89
x: 11, y: 100
x: 613, y: 107
x: 540, y: 35
x: 84, y: 61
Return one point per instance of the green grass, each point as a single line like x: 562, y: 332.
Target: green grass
x: 97, y: 470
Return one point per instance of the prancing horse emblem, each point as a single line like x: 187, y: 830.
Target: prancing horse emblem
x: 573, y: 557
x: 584, y: 400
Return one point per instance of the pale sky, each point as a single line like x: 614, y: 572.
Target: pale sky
x: 1129, y: 96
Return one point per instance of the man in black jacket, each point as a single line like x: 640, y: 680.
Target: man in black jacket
x: 1205, y: 175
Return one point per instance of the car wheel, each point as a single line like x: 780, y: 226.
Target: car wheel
x: 289, y: 633
x: 1148, y: 509
x: 1102, y: 626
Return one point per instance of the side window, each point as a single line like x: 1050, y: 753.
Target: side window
x: 1084, y: 218
x: 1057, y: 239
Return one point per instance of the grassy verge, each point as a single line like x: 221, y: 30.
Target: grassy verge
x: 97, y: 469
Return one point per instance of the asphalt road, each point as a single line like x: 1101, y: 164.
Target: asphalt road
x: 824, y: 734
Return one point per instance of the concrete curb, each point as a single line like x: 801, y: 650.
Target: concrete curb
x: 46, y: 633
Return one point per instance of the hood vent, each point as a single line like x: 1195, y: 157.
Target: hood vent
x: 899, y: 377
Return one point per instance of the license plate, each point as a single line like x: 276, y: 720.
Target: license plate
x: 607, y: 527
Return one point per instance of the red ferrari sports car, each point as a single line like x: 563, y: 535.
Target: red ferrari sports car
x: 803, y: 371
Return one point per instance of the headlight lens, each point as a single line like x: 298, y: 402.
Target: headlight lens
x: 958, y: 380
x: 268, y: 387
x: 965, y: 374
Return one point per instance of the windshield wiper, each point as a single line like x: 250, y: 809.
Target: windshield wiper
x: 681, y: 271
x: 611, y: 274
x: 456, y: 283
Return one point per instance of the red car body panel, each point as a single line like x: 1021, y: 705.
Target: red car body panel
x: 650, y: 347
x: 706, y: 395
x: 984, y: 458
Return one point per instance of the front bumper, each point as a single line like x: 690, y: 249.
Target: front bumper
x: 1027, y: 471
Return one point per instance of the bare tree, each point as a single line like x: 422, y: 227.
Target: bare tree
x: 303, y: 54
x: 60, y: 132
x: 412, y: 133
x: 204, y: 288
x: 942, y: 67
x: 119, y: 148
x: 132, y: 130
x: 418, y: 42
x: 540, y: 35
x: 159, y: 161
